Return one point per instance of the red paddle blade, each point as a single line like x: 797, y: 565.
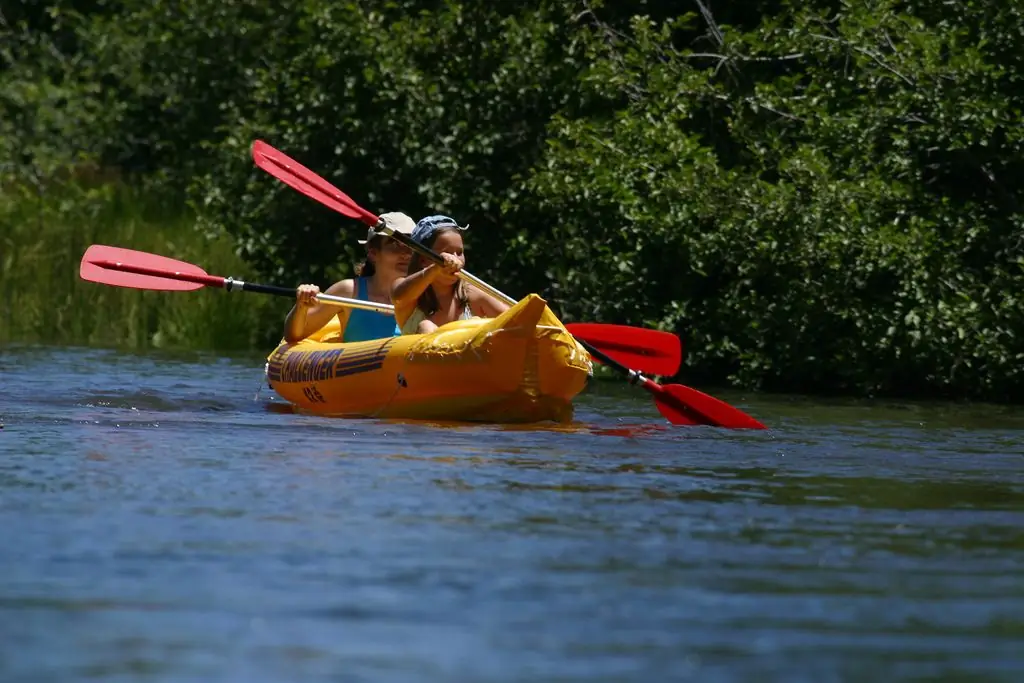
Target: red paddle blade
x: 677, y: 415
x: 678, y: 403
x: 294, y: 174
x: 99, y: 253
x: 650, y: 351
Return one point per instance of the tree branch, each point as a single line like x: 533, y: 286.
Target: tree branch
x: 874, y: 56
x: 738, y: 58
x: 716, y: 32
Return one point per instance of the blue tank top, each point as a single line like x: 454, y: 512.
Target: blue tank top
x: 365, y: 325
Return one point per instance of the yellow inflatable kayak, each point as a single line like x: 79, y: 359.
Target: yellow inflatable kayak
x: 522, y: 366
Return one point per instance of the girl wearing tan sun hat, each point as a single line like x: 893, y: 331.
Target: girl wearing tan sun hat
x: 386, y: 261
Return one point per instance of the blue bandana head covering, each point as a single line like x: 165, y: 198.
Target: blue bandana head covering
x: 426, y: 227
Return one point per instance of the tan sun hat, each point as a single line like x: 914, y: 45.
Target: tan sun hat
x: 397, y: 221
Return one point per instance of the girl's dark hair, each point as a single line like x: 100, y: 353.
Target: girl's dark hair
x: 428, y: 300
x: 367, y: 268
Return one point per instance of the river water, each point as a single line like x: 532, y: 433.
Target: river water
x: 161, y: 522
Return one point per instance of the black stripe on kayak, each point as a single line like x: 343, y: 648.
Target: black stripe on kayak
x: 356, y: 368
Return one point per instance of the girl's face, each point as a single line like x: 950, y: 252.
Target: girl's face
x: 391, y: 258
x: 450, y: 242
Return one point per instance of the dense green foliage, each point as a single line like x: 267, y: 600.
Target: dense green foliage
x: 818, y: 196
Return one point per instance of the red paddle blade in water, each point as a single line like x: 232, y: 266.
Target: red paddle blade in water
x: 677, y: 402
x: 650, y: 351
x: 294, y: 174
x: 99, y: 253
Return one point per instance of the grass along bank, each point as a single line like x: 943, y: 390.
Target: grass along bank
x: 43, y: 236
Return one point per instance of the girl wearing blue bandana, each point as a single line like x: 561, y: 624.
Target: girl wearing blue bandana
x: 432, y: 295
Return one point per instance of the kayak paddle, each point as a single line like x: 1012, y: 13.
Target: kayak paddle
x: 142, y: 270
x: 677, y: 403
